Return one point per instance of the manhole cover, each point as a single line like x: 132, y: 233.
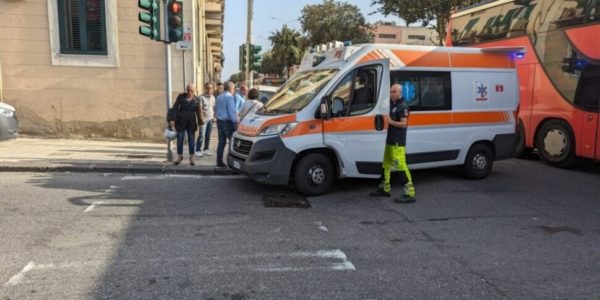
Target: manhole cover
x: 285, y: 200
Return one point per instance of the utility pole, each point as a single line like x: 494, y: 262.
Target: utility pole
x: 249, y: 73
x: 168, y: 74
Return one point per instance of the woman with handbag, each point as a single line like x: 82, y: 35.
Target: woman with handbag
x: 186, y: 116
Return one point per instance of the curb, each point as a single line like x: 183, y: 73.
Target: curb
x: 129, y: 169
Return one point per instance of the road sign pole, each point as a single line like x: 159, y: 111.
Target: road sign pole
x: 168, y: 76
x: 249, y: 73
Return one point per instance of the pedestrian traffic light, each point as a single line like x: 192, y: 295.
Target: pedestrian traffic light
x: 243, y: 57
x: 175, y: 23
x: 255, y: 57
x: 151, y: 18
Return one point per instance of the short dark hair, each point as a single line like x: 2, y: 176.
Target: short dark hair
x: 253, y: 94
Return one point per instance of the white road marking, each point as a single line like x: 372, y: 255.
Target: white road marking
x: 94, y: 204
x: 321, y: 226
x: 17, y: 278
x: 111, y: 189
x: 320, y: 260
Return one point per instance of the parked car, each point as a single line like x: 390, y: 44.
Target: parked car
x: 266, y: 92
x: 9, y: 125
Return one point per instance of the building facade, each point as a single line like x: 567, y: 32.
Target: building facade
x: 389, y: 33
x: 79, y: 68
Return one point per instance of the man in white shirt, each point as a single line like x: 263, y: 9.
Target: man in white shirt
x: 207, y: 102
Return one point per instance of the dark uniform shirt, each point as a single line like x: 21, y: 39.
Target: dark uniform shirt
x: 397, y: 136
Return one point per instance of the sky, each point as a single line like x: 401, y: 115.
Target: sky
x: 285, y: 11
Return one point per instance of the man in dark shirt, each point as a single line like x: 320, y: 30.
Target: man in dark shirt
x: 395, y: 148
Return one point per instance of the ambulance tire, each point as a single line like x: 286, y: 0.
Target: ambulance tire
x: 556, y: 145
x: 479, y: 162
x: 314, y: 174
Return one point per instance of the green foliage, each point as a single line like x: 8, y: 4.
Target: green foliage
x: 334, y: 21
x: 425, y: 11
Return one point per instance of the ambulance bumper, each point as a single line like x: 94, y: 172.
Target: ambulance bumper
x: 264, y: 160
x: 504, y: 145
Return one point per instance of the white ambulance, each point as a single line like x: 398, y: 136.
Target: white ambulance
x: 328, y: 120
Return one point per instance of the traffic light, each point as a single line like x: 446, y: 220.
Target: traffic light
x: 151, y: 17
x: 175, y: 17
x: 255, y: 57
x: 243, y: 57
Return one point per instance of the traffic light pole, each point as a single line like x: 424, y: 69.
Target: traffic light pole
x: 249, y: 73
x: 168, y: 75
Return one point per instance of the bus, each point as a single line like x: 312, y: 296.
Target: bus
x: 559, y: 74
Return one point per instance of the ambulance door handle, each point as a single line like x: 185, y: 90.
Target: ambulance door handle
x: 379, y: 124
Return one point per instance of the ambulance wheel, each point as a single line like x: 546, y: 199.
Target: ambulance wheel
x: 313, y: 174
x: 479, y: 162
x: 556, y: 144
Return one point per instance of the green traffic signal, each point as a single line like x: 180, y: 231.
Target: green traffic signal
x: 151, y: 19
x: 256, y: 58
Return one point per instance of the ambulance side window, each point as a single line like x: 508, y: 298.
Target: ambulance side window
x: 356, y: 94
x: 424, y: 90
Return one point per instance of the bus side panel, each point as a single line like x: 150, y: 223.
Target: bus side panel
x: 526, y: 79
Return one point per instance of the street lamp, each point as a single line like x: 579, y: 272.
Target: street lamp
x: 284, y: 21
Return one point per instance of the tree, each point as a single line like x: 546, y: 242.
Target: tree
x: 425, y: 11
x: 287, y: 48
x: 238, y: 77
x: 334, y: 21
x: 269, y: 65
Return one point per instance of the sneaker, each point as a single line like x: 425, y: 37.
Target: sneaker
x: 207, y: 153
x: 380, y: 193
x: 221, y: 165
x: 405, y: 199
x: 198, y: 154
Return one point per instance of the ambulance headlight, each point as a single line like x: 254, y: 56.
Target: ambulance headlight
x: 279, y: 129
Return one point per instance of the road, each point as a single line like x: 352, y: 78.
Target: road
x: 527, y: 232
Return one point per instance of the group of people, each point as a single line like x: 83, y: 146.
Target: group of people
x: 224, y: 107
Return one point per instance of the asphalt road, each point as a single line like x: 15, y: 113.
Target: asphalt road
x: 527, y: 232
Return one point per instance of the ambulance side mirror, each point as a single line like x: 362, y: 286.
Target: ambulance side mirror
x: 324, y: 109
x: 379, y: 123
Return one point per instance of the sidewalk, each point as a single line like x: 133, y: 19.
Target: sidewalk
x: 27, y: 154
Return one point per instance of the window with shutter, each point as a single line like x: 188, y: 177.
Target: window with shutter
x: 82, y: 27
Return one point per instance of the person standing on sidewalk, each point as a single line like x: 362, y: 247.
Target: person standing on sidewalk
x: 252, y: 104
x: 227, y: 120
x: 395, y: 148
x: 185, y: 116
x: 207, y: 103
x: 240, y: 96
x: 220, y: 89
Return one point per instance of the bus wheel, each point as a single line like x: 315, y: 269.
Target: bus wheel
x: 556, y: 145
x: 520, y: 141
x: 313, y: 174
x: 479, y: 162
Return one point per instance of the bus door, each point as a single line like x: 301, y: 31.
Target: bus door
x: 588, y: 98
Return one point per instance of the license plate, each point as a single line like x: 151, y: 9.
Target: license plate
x: 237, y: 165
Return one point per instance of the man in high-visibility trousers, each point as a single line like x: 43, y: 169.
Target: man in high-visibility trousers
x: 395, y: 148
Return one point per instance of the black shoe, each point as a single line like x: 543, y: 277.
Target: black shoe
x: 405, y: 199
x: 221, y: 165
x: 380, y: 193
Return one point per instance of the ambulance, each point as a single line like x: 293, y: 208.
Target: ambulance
x: 329, y: 120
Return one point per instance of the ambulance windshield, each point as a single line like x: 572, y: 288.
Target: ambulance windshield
x: 295, y: 94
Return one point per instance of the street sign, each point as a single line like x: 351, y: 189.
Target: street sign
x: 186, y: 42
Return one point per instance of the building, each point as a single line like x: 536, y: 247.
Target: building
x: 389, y: 33
x: 79, y: 68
